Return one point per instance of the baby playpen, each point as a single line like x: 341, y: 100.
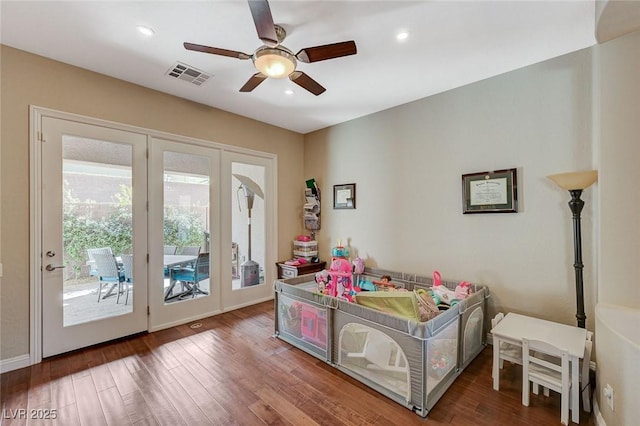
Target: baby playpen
x: 411, y: 362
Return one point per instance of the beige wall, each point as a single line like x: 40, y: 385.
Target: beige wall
x: 619, y: 153
x: 407, y: 164
x: 619, y: 251
x: 32, y: 80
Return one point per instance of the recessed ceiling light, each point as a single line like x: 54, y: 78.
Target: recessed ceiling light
x: 289, y: 92
x: 146, y: 31
x: 403, y: 35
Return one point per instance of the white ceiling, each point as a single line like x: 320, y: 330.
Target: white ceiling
x: 451, y: 43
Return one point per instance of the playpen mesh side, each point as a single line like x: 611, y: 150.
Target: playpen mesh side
x: 304, y: 324
x: 472, y: 335
x: 393, y: 384
x: 431, y: 350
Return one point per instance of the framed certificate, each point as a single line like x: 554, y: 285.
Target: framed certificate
x: 490, y: 192
x: 344, y: 196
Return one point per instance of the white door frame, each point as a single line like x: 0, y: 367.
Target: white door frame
x: 35, y: 216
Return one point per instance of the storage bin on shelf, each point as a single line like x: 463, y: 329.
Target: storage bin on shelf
x: 305, y: 249
x: 411, y: 362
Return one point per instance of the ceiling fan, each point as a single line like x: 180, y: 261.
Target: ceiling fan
x: 273, y: 59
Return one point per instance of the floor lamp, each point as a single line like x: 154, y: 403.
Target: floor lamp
x: 575, y: 183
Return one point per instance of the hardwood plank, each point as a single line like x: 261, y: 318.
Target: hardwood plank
x: 114, y: 408
x: 157, y: 399
x: 39, y: 385
x: 198, y: 393
x: 122, y: 377
x: 67, y: 415
x: 234, y: 397
x: 16, y: 401
x: 286, y: 409
x: 62, y: 392
x: 267, y: 414
x: 137, y: 408
x: 89, y: 408
x: 102, y: 377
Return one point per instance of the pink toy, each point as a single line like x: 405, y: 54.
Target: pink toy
x: 358, y: 266
x: 462, y: 290
x: 314, y: 325
x: 447, y: 296
x: 340, y: 282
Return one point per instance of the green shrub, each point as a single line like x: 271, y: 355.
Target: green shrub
x: 182, y: 227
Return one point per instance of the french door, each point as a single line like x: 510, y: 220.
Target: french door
x: 187, y: 228
x: 93, y: 200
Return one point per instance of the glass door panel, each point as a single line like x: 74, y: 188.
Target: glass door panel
x: 97, y: 206
x: 184, y: 223
x: 249, y: 236
x: 186, y: 186
x: 247, y: 225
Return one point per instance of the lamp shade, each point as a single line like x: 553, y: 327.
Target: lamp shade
x: 575, y: 180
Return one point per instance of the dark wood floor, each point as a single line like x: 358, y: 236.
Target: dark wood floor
x: 232, y: 371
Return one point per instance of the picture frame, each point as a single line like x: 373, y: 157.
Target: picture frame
x: 344, y: 196
x: 490, y: 192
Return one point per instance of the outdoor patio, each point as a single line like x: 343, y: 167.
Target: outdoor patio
x: 80, y: 301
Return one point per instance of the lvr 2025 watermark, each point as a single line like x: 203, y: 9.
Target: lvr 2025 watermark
x: 30, y: 414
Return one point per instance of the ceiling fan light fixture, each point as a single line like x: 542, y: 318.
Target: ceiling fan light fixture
x: 274, y: 63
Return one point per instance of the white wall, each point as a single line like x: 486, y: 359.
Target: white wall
x: 407, y: 164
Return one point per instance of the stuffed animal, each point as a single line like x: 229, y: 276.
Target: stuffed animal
x: 322, y: 279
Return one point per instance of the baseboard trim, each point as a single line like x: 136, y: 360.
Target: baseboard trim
x: 14, y: 363
x: 596, y: 413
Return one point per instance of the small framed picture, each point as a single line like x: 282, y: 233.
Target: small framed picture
x: 490, y: 192
x: 344, y: 196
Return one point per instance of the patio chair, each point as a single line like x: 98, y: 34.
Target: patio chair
x: 190, y: 250
x: 108, y: 272
x: 127, y: 264
x: 170, y: 249
x: 91, y: 262
x: 190, y: 277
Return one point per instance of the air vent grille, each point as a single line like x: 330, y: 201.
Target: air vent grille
x: 188, y: 73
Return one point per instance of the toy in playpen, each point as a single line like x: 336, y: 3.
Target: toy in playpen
x: 314, y: 325
x: 447, y: 296
x: 340, y: 282
x: 384, y: 283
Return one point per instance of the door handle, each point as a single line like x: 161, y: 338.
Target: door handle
x: 50, y: 267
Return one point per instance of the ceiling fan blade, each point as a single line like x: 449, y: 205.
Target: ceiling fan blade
x: 253, y: 82
x: 328, y: 51
x: 216, y: 51
x: 306, y: 82
x: 263, y: 20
